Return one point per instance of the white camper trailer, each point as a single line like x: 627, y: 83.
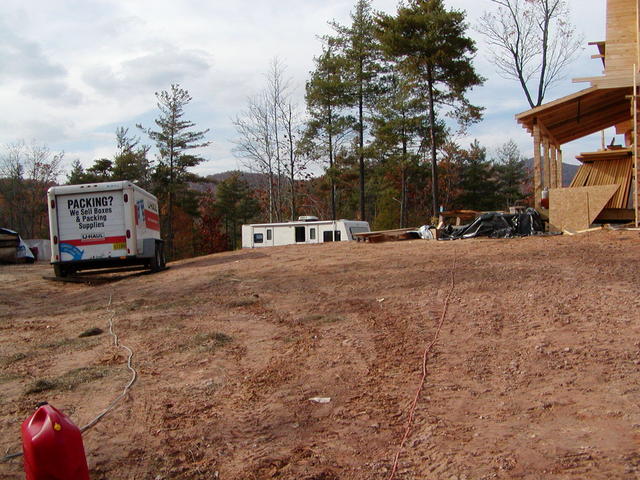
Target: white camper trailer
x: 306, y: 230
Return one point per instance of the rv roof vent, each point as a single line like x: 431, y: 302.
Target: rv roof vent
x: 307, y: 218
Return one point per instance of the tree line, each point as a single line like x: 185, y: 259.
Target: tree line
x: 386, y: 98
x: 374, y: 139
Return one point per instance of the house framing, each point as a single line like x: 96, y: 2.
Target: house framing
x: 605, y: 187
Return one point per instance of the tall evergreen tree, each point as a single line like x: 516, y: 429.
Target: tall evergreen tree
x: 76, y: 175
x: 326, y: 94
x: 131, y: 162
x: 236, y: 205
x: 396, y: 128
x: 432, y: 48
x: 512, y: 174
x: 175, y: 140
x: 361, y: 51
x: 478, y: 180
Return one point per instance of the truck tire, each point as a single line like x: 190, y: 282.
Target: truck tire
x: 163, y: 259
x: 156, y: 260
x: 60, y: 271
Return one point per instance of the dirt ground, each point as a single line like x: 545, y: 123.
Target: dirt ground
x: 535, y: 374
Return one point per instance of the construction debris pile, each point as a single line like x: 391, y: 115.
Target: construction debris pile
x: 489, y: 224
x: 496, y: 225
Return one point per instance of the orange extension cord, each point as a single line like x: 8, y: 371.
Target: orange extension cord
x: 428, y: 348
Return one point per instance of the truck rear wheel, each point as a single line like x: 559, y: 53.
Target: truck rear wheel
x: 163, y: 259
x: 157, y: 261
x: 60, y: 271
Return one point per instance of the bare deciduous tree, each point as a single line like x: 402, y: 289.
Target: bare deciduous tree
x: 267, y: 139
x: 26, y: 172
x: 532, y: 42
x: 255, y: 143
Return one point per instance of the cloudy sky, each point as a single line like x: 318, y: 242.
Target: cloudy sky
x: 71, y: 71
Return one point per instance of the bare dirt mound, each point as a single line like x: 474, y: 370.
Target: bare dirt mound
x: 535, y: 374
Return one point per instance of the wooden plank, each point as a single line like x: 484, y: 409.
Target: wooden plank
x: 547, y: 162
x: 616, y: 154
x: 533, y: 112
x: 559, y: 170
x: 554, y: 168
x: 537, y: 168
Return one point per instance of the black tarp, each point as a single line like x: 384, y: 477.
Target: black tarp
x: 497, y: 225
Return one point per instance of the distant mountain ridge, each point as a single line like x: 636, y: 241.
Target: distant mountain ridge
x: 568, y: 171
x: 255, y: 180
x: 210, y: 182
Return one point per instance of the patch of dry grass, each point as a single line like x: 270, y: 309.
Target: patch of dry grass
x: 69, y: 380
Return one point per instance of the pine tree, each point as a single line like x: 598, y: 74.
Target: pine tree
x: 359, y: 47
x: 175, y: 139
x: 512, y: 174
x: 100, y: 171
x: 326, y: 94
x: 76, y: 175
x: 131, y: 162
x: 396, y: 128
x: 430, y: 45
x: 236, y: 205
x: 478, y: 180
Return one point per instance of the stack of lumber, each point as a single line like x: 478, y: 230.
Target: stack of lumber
x: 8, y: 246
x: 460, y: 217
x: 387, y: 235
x: 607, y: 167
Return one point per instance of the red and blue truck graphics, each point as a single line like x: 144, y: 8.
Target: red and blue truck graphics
x: 103, y: 225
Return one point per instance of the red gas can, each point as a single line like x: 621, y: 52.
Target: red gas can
x: 52, y: 447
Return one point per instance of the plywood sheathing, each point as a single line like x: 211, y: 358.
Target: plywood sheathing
x: 576, y: 208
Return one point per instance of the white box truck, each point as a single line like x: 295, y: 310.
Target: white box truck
x: 103, y: 225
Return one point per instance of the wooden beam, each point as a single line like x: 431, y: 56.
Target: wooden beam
x: 581, y: 117
x: 547, y: 162
x: 553, y: 183
x: 537, y: 168
x: 571, y: 135
x: 555, y: 103
x: 545, y: 132
x: 559, y: 169
x: 573, y: 132
x: 635, y: 191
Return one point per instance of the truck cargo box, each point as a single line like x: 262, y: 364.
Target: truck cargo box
x: 103, y: 225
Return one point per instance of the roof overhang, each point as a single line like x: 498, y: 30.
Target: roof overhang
x: 579, y: 114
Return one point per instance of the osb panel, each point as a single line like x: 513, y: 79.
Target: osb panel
x: 576, y: 208
x: 598, y: 197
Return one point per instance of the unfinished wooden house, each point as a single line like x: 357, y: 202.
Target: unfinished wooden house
x: 605, y: 188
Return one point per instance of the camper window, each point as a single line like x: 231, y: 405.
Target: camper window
x: 312, y: 233
x: 336, y: 235
x: 257, y: 238
x: 300, y: 235
x: 327, y: 236
x: 268, y: 234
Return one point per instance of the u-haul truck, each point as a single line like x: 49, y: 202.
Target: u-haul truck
x: 101, y: 225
